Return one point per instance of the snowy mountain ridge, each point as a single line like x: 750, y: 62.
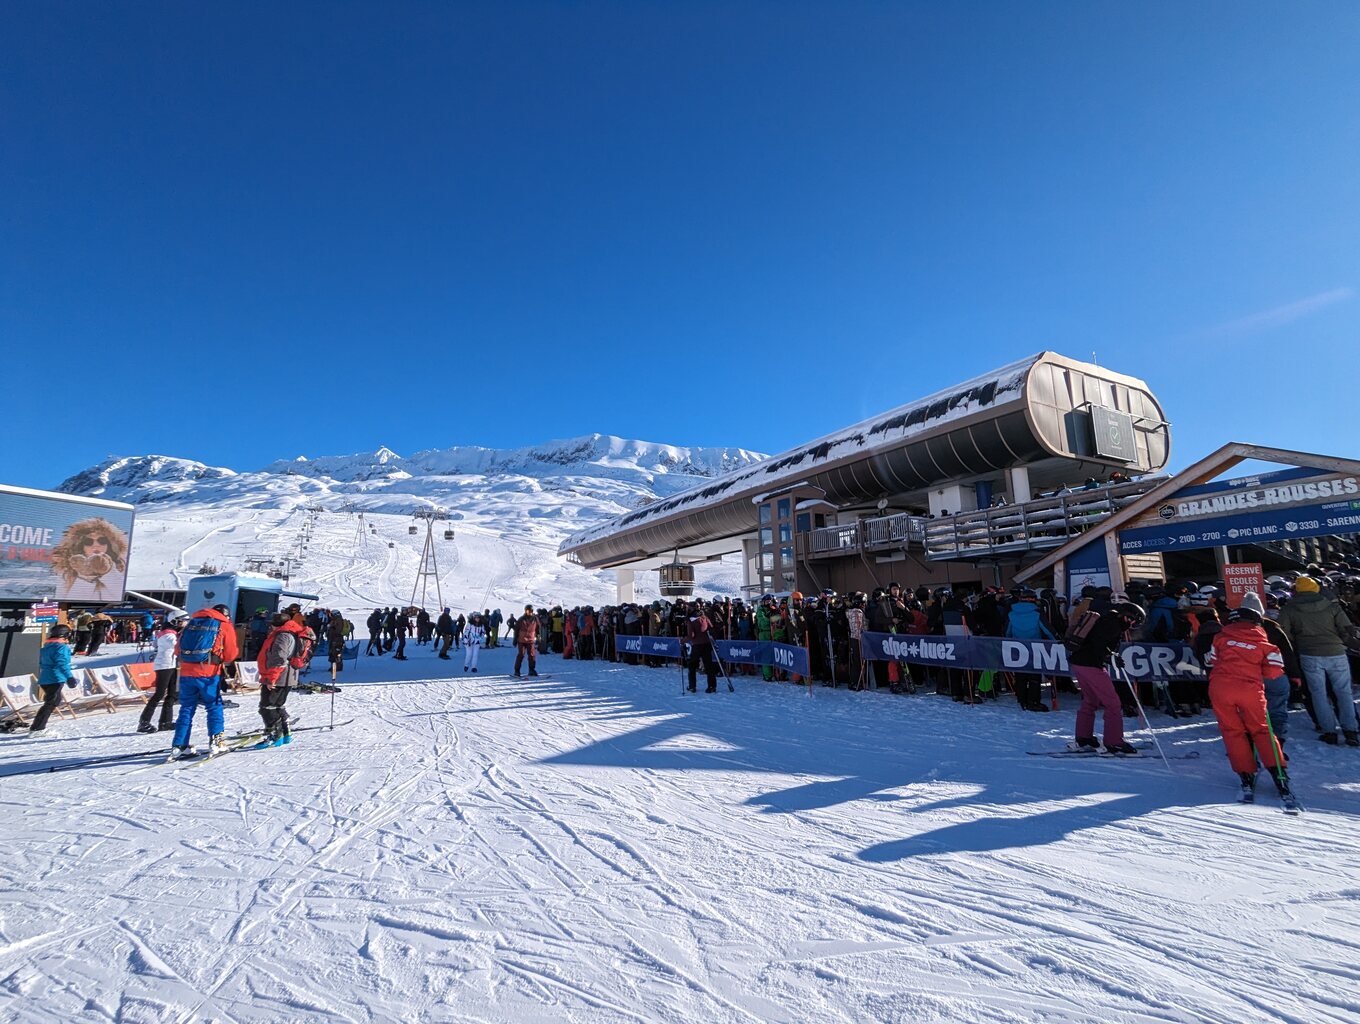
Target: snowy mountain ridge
x: 512, y: 507
x: 151, y: 478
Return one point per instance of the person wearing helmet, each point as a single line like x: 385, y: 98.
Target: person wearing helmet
x: 207, y: 644
x: 1241, y: 661
x: 54, y: 673
x: 1088, y: 659
x: 1319, y: 626
x: 166, y: 642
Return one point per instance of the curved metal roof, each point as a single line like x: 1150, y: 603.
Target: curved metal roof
x: 1021, y: 414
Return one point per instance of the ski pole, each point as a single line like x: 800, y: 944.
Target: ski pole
x: 726, y: 678
x: 1279, y: 750
x: 1117, y: 663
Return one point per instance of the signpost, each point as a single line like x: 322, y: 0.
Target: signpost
x: 46, y: 612
x: 1241, y: 580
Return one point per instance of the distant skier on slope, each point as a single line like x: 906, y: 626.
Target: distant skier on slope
x: 1241, y: 661
x: 526, y: 640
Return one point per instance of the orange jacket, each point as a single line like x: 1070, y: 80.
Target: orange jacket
x: 226, y: 651
x: 1242, y: 654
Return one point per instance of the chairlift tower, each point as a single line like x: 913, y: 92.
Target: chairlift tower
x: 360, y: 541
x: 429, y: 567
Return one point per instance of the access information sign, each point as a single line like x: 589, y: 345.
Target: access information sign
x: 1278, y: 506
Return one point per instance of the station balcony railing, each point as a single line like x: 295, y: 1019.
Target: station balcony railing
x: 1034, y: 525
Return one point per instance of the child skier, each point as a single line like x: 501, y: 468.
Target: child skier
x: 1240, y: 662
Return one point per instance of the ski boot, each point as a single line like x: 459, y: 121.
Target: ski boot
x: 217, y: 744
x: 182, y: 753
x: 1288, y: 800
x: 1352, y: 738
x: 1248, y: 794
x: 1122, y: 750
x: 1328, y: 737
x: 1085, y: 744
x: 145, y: 727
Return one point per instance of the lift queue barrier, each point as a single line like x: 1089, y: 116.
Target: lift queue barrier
x: 1141, y: 662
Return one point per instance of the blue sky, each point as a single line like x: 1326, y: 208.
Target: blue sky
x: 241, y: 232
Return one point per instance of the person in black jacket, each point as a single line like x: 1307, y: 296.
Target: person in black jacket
x: 375, y: 624
x: 1088, y: 662
x: 445, y: 630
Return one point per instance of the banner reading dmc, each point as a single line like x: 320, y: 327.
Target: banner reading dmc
x: 62, y: 548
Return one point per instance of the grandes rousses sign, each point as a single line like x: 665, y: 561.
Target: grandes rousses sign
x: 61, y: 547
x: 1277, y: 506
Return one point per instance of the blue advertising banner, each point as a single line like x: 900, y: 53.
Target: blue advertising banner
x: 1140, y: 661
x: 650, y: 646
x: 789, y: 657
x: 743, y: 652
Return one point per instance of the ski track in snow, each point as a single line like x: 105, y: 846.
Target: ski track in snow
x: 595, y: 846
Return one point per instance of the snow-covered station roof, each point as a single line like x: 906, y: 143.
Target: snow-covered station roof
x: 1035, y: 412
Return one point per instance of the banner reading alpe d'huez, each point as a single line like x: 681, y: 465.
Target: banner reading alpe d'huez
x: 62, y: 548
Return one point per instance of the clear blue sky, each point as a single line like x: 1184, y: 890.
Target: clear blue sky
x: 426, y: 224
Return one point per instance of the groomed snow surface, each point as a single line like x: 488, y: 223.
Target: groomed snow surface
x: 596, y: 847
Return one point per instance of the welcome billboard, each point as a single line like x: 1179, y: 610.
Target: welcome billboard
x: 62, y: 547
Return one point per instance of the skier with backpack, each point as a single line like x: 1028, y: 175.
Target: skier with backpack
x: 207, y: 643
x: 1241, y: 661
x: 284, y: 655
x: 1091, y: 640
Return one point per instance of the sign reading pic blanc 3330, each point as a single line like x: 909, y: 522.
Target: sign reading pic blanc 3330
x: 1278, y: 506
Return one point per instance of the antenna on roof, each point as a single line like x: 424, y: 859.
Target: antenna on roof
x: 1094, y: 359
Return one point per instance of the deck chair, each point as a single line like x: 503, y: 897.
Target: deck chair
x: 86, y: 695
x: 142, y: 675
x: 20, y: 705
x: 113, y: 682
x: 247, y: 675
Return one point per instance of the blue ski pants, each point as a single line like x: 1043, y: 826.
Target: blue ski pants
x: 205, y: 690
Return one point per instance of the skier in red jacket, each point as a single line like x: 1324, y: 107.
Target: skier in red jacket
x: 1240, y: 662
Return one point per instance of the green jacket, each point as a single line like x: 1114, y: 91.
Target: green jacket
x: 1316, y: 624
x: 762, y: 623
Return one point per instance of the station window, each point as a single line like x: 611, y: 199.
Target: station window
x: 783, y: 508
x: 804, y: 522
x: 764, y: 513
x: 766, y: 537
x: 767, y: 561
x: 786, y: 555
x: 785, y: 534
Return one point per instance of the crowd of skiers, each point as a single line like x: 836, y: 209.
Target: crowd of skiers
x: 1292, y: 649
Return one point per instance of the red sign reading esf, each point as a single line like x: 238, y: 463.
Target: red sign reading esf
x: 1241, y: 580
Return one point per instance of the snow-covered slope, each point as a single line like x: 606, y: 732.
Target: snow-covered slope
x: 510, y: 509
x: 591, y: 846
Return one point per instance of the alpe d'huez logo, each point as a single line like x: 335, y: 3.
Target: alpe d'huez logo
x: 935, y: 649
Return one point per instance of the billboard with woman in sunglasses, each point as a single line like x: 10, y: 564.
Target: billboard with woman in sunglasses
x: 63, y: 548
